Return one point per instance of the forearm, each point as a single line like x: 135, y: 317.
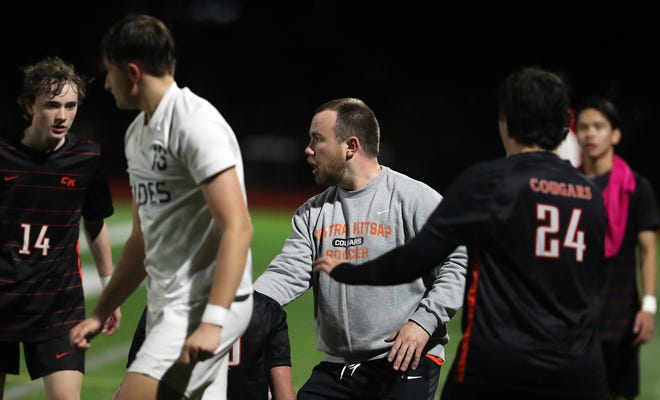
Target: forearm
x: 282, y: 383
x: 230, y: 263
x: 649, y: 266
x: 289, y: 274
x: 402, y: 264
x: 127, y: 276
x: 98, y: 240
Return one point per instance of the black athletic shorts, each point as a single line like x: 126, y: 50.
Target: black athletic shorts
x: 371, y: 380
x: 42, y: 358
x: 622, y: 365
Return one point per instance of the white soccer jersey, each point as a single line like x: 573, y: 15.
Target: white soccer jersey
x: 186, y: 142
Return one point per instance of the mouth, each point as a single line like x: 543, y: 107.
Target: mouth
x: 59, y: 129
x: 315, y: 168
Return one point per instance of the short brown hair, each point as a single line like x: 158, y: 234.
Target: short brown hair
x: 355, y: 118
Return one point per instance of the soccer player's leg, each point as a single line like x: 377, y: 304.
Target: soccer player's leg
x: 60, y: 367
x: 63, y: 384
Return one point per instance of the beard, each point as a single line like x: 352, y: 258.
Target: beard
x: 332, y: 173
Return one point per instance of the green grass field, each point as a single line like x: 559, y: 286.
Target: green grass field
x: 106, y: 359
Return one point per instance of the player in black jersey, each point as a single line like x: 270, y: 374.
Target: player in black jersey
x: 259, y: 362
x: 630, y: 201
x: 261, y: 359
x: 535, y: 230
x: 51, y: 181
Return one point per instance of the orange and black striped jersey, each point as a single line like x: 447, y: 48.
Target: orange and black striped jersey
x: 43, y: 197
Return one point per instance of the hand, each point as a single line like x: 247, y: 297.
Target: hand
x: 112, y: 323
x: 408, y: 345
x: 643, y: 327
x: 201, y: 345
x: 82, y: 334
x: 326, y: 264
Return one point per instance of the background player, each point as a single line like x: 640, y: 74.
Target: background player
x: 631, y: 204
x: 53, y: 182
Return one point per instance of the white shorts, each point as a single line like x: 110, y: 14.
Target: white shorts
x: 166, y: 333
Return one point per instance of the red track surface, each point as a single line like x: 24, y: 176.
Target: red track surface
x: 280, y: 199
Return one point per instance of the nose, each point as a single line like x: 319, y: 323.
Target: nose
x: 61, y: 114
x: 591, y: 131
x: 308, y: 150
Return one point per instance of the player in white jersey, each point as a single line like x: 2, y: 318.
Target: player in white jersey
x: 191, y: 228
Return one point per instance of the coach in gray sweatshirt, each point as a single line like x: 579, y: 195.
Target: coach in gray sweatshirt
x: 379, y: 341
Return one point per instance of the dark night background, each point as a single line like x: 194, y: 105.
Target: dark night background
x: 429, y: 70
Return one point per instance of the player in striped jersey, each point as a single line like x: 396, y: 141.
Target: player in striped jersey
x: 535, y: 232
x: 52, y: 180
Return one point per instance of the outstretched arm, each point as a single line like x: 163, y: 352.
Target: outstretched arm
x: 401, y: 264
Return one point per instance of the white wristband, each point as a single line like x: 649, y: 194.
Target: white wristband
x: 649, y: 304
x: 105, y: 280
x: 215, y: 315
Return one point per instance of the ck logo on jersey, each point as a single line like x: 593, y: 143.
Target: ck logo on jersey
x: 159, y: 158
x: 68, y: 181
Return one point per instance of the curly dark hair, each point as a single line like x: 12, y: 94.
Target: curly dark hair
x: 48, y: 77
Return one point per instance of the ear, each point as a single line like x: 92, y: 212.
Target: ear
x: 616, y: 136
x: 134, y: 72
x: 352, y: 146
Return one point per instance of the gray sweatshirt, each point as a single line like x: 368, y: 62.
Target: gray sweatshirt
x: 352, y: 321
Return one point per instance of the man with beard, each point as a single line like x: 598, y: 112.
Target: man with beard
x: 368, y: 334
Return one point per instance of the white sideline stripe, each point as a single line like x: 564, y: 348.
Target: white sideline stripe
x: 92, y: 287
x: 118, y: 234
x: 99, y: 361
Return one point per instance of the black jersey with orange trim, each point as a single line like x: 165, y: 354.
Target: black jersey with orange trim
x: 534, y: 228
x: 264, y: 345
x: 43, y: 197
